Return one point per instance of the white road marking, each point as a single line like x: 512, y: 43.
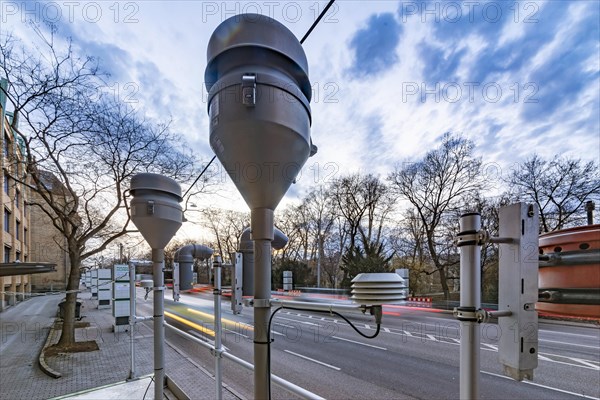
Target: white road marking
x: 361, y: 343
x: 237, y: 333
x: 407, y: 333
x: 541, y: 357
x: 285, y: 325
x: 367, y: 326
x: 313, y: 360
x: 309, y: 323
x: 585, y: 362
x: 456, y: 340
x: 431, y: 337
x: 491, y: 346
x: 544, y: 386
x: 387, y: 330
x: 570, y: 344
x: 572, y: 334
x: 299, y: 322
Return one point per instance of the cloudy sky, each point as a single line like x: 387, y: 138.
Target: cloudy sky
x: 389, y: 77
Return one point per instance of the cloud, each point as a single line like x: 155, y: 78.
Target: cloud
x: 374, y: 46
x: 569, y: 71
x: 439, y: 66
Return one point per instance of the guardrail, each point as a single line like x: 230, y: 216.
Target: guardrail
x: 289, y: 386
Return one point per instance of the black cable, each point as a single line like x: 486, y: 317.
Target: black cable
x: 146, y: 392
x: 199, y: 176
x: 317, y: 20
x: 269, y: 340
x: 327, y: 312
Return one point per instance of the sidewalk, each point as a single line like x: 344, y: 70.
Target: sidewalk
x: 23, y: 332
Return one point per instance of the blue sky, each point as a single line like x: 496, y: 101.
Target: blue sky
x: 389, y: 77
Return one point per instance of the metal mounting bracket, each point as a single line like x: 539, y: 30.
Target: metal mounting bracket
x: 249, y: 90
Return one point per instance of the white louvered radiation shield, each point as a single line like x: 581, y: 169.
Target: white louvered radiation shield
x: 378, y: 288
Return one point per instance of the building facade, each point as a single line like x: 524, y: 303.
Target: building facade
x: 47, y: 243
x: 27, y: 233
x: 16, y: 229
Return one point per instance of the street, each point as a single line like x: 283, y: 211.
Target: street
x: 415, y: 355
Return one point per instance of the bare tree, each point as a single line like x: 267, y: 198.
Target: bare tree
x: 293, y: 221
x: 559, y: 187
x: 440, y: 183
x: 318, y: 206
x: 408, y: 242
x: 227, y: 227
x: 82, y: 149
x: 364, y: 202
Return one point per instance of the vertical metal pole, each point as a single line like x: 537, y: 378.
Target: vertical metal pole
x: 261, y: 220
x: 589, y: 208
x: 217, y: 324
x: 158, y: 257
x: 132, y: 320
x: 319, y: 245
x: 470, y: 301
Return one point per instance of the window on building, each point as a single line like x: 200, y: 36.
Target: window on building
x: 6, y: 220
x: 6, y: 146
x: 6, y: 254
x: 17, y: 256
x: 17, y: 198
x: 17, y: 230
x: 24, y: 235
x: 6, y: 183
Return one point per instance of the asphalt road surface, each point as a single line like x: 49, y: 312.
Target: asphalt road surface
x: 415, y: 356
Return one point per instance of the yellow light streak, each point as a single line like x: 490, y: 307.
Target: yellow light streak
x: 228, y: 322
x: 191, y: 324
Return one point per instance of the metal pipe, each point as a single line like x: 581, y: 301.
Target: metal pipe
x: 577, y: 257
x: 501, y: 240
x: 498, y: 314
x: 570, y: 296
x: 318, y: 306
x: 289, y: 386
x: 158, y: 258
x: 261, y: 220
x: 132, y: 373
x: 246, y: 247
x: 470, y: 301
x: 185, y: 257
x: 217, y: 325
x: 590, y: 206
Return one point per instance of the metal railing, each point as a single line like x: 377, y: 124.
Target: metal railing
x: 289, y: 386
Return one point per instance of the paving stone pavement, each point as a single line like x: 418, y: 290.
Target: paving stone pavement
x: 24, y: 329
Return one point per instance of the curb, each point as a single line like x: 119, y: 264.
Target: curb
x: 42, y: 358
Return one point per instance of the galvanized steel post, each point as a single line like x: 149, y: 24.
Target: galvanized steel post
x: 217, y: 325
x: 470, y: 303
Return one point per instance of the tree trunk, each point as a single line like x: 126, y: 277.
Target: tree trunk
x: 67, y: 336
x: 444, y: 282
x: 436, y: 261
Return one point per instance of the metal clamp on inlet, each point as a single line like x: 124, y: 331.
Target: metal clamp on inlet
x: 481, y: 237
x: 257, y: 303
x: 471, y: 238
x: 217, y: 352
x: 469, y: 314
